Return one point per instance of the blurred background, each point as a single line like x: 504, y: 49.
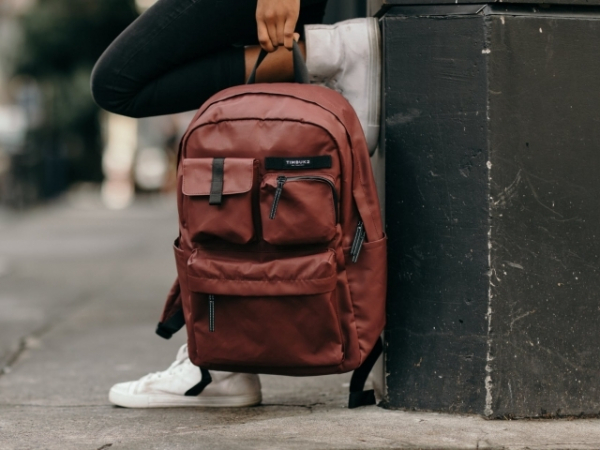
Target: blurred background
x: 53, y: 138
x: 87, y: 218
x: 87, y: 221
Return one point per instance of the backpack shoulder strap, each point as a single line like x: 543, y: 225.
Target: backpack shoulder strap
x: 171, y: 325
x: 172, y: 319
x: 358, y: 396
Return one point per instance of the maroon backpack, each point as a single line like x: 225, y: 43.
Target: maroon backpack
x: 281, y: 257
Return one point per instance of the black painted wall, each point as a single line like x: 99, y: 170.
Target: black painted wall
x: 545, y: 189
x: 437, y: 211
x: 492, y: 144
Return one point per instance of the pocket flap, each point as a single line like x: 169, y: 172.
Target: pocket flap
x: 261, y: 274
x: 238, y: 174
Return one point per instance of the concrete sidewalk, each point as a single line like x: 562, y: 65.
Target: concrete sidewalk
x: 81, y: 289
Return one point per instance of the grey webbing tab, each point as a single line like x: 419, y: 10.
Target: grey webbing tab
x: 216, y: 184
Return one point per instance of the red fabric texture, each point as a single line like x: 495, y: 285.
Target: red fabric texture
x: 267, y: 282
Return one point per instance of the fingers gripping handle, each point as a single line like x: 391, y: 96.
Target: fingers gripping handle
x: 300, y: 70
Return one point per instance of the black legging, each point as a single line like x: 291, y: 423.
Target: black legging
x: 179, y: 53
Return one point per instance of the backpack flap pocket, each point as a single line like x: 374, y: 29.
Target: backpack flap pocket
x: 261, y: 310
x: 218, y: 198
x: 298, y: 209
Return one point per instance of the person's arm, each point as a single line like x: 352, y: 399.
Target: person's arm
x: 276, y: 21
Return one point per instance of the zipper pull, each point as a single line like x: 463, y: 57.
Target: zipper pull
x: 280, y: 182
x: 359, y: 239
x: 211, y: 313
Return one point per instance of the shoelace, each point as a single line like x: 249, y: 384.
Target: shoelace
x: 176, y: 365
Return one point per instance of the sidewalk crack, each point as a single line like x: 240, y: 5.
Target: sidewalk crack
x: 25, y: 343
x: 30, y: 340
x: 309, y: 406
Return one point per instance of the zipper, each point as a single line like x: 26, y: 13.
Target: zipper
x: 211, y: 313
x: 359, y: 239
x: 281, y: 180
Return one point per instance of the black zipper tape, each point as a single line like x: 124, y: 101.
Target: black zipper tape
x: 211, y: 313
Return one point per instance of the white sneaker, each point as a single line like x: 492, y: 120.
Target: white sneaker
x: 346, y: 57
x: 169, y: 388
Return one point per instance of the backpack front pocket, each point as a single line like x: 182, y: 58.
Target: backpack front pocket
x: 298, y: 209
x: 261, y: 310
x: 217, y: 199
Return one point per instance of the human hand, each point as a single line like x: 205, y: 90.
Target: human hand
x: 276, y: 21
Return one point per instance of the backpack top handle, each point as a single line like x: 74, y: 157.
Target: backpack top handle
x: 300, y: 70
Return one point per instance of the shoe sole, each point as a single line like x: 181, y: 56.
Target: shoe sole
x: 180, y: 401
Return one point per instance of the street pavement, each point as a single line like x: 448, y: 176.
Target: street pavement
x: 81, y: 289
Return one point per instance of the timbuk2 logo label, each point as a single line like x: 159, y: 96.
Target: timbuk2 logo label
x: 299, y: 162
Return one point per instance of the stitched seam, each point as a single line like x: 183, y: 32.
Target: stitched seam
x: 209, y: 253
x: 199, y: 194
x: 186, y: 137
x: 263, y: 281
